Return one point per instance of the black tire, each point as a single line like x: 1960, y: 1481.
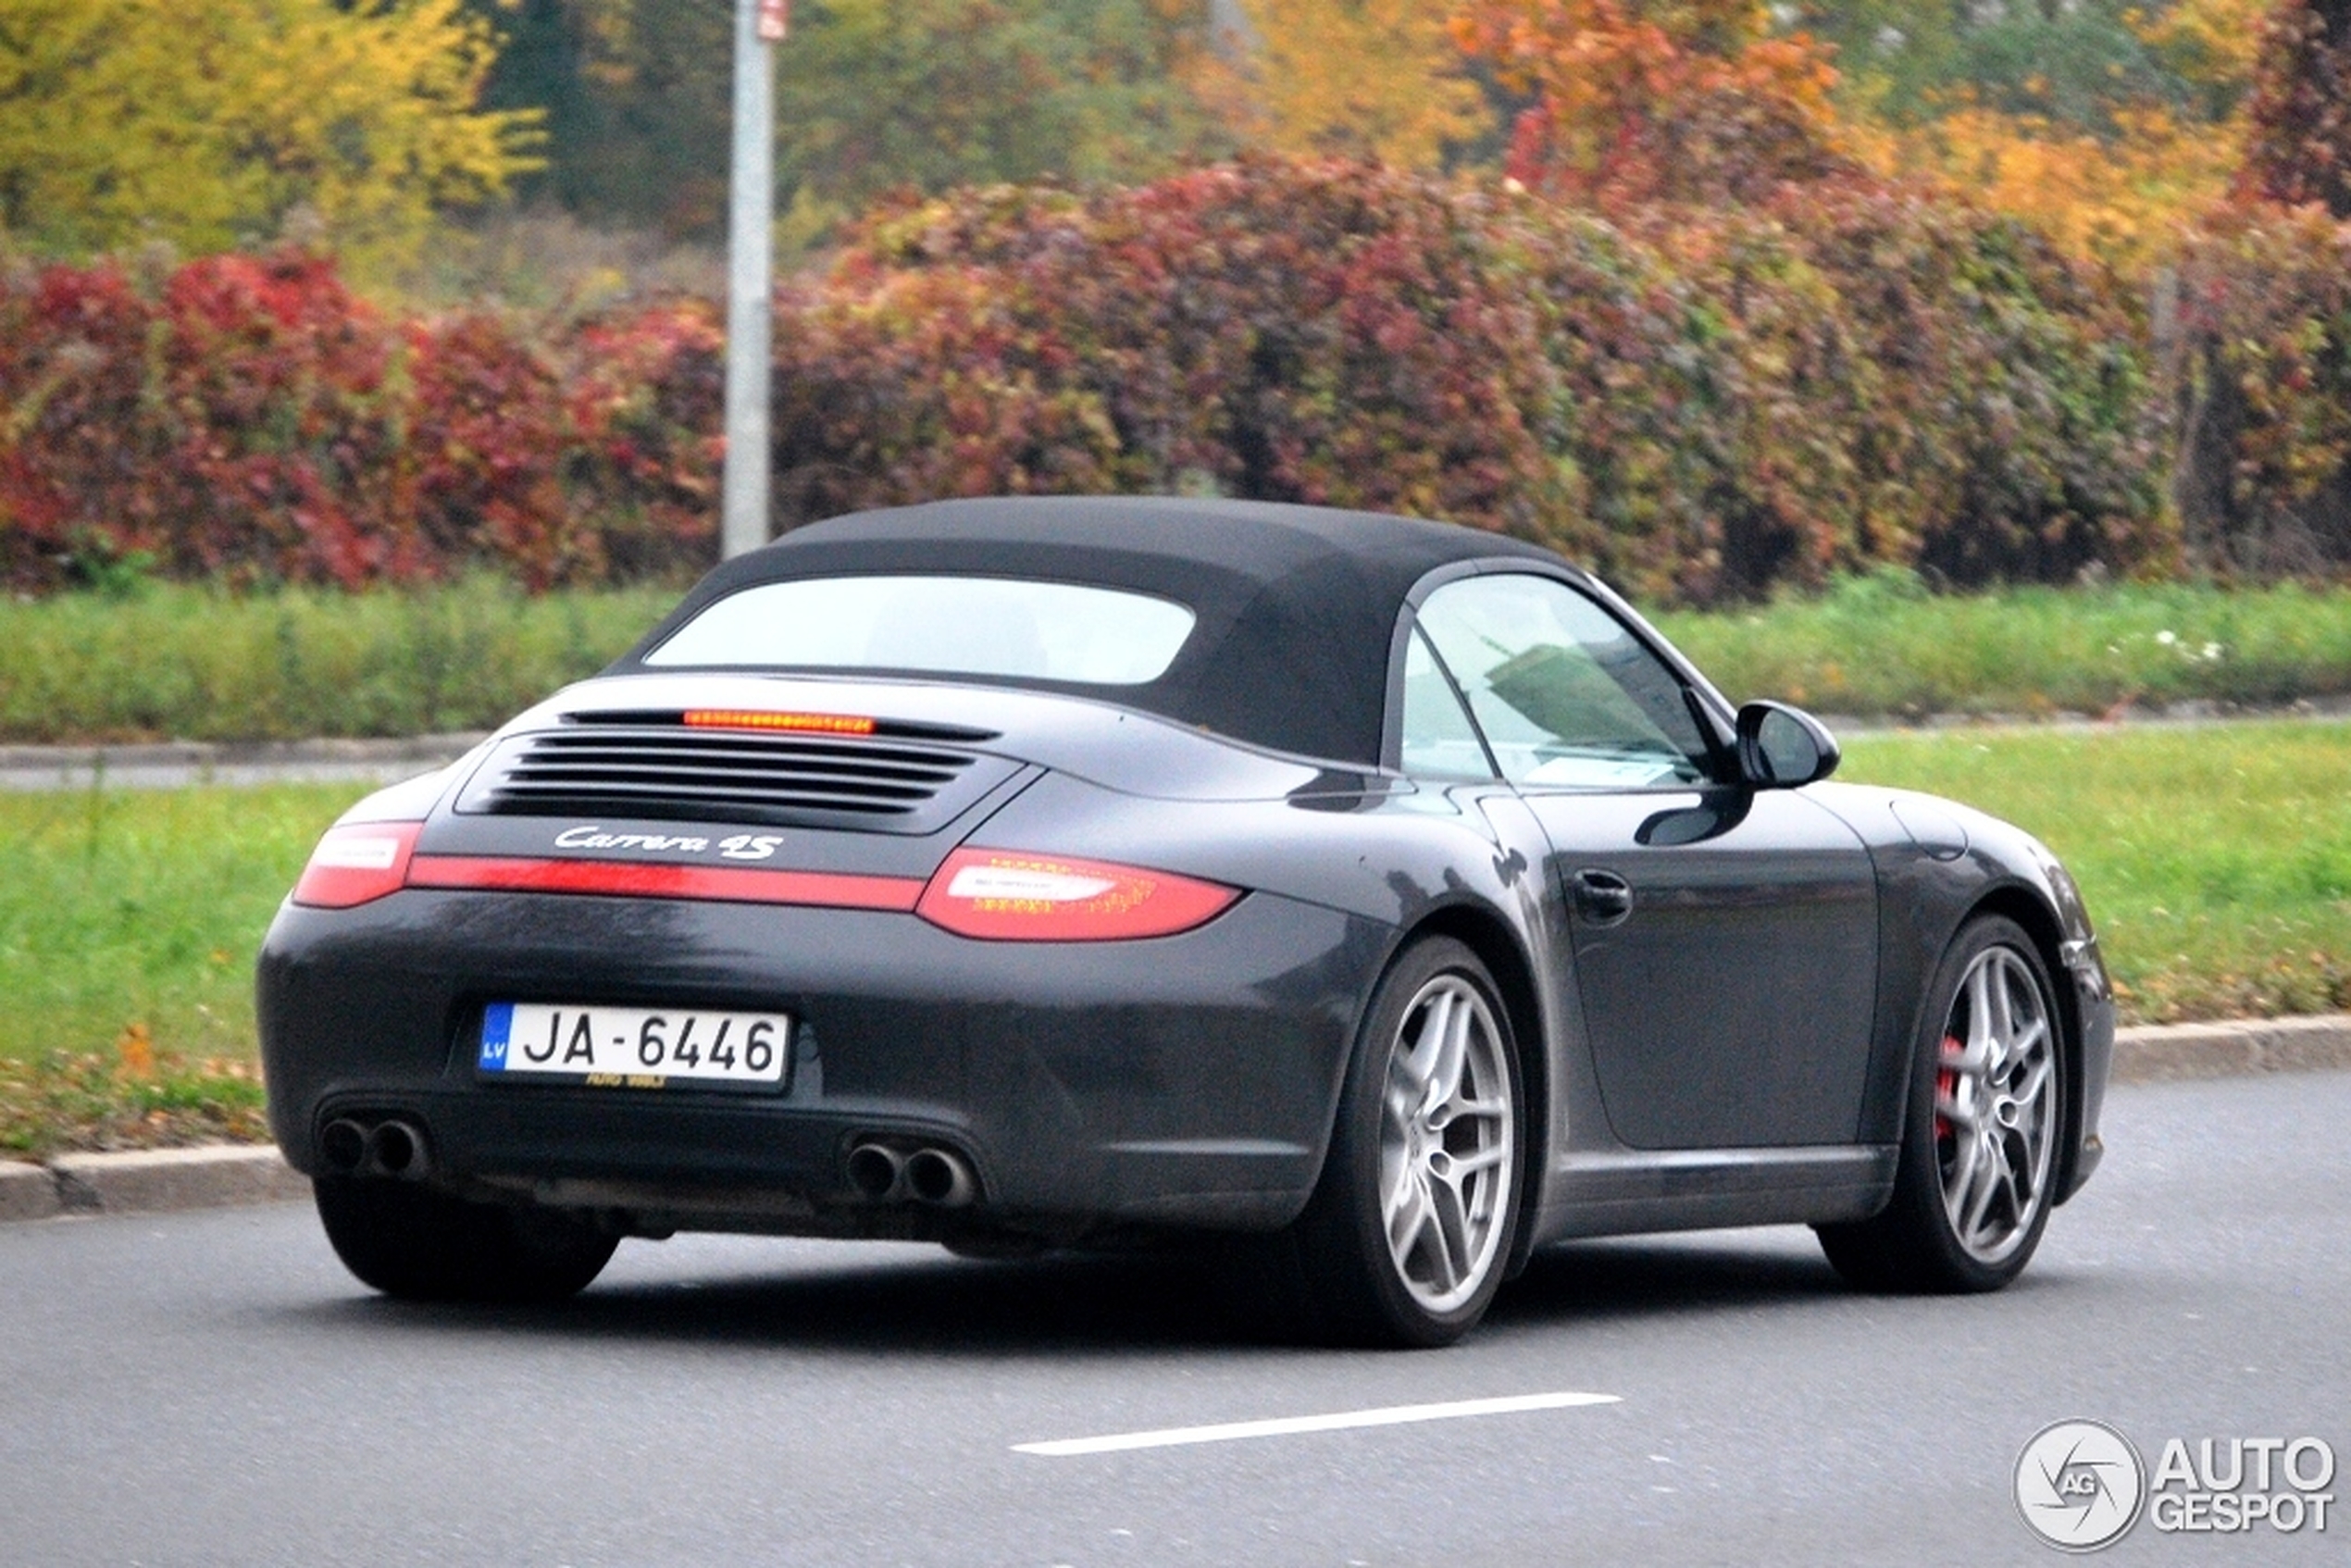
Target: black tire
x: 1990, y: 1099
x: 421, y: 1245
x: 1447, y: 1170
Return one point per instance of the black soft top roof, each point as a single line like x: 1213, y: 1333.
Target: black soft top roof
x: 1297, y: 606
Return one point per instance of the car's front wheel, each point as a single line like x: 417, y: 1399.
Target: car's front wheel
x: 1407, y: 1237
x: 413, y: 1242
x: 1976, y: 1172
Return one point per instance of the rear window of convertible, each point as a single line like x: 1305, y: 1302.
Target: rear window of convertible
x: 982, y: 626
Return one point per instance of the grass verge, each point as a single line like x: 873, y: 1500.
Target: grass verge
x: 129, y: 921
x: 186, y: 663
x: 1881, y: 645
x: 176, y: 663
x: 2216, y: 859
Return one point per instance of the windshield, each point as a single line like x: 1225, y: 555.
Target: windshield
x: 982, y: 626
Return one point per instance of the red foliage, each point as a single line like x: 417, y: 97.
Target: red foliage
x: 1637, y: 102
x: 1703, y: 403
x: 484, y: 453
x: 249, y: 420
x: 1720, y: 403
x: 647, y: 407
x: 231, y: 426
x: 1987, y: 399
x: 72, y: 463
x: 2301, y: 106
x: 1318, y: 333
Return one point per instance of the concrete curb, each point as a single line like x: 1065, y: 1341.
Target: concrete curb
x: 2172, y: 1052
x: 217, y: 1176
x: 27, y: 1192
x: 149, y: 1182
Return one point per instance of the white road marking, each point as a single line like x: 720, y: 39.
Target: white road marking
x: 1284, y: 1426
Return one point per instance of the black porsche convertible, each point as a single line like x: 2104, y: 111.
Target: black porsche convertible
x: 1383, y: 896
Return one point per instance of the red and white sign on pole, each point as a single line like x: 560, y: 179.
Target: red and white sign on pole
x: 775, y: 20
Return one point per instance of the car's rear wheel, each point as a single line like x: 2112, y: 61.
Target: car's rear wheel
x: 415, y: 1243
x: 1976, y: 1172
x: 1407, y: 1237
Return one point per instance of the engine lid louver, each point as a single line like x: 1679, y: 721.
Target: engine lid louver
x: 668, y: 773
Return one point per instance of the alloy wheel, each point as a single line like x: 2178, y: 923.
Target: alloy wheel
x: 1995, y: 1105
x: 1446, y: 1154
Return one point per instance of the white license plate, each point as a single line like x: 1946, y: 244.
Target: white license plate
x: 636, y: 1047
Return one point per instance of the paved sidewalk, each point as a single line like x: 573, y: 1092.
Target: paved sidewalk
x: 222, y: 1175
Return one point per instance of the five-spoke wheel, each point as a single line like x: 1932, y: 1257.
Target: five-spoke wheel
x: 1446, y: 1143
x: 1408, y: 1235
x: 1972, y: 1185
x: 1995, y: 1105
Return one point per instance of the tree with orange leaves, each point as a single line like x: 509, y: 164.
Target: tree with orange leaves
x: 1364, y: 78
x: 1658, y: 100
x: 2123, y: 176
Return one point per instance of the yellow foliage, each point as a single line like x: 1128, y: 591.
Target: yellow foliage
x: 1357, y: 77
x: 2128, y: 201
x: 2220, y: 38
x: 207, y: 125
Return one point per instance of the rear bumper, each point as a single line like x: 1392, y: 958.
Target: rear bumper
x: 1187, y: 1080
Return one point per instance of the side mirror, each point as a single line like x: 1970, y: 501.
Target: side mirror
x: 1782, y: 747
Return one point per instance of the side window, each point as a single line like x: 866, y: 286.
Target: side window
x: 1439, y: 739
x: 1565, y: 695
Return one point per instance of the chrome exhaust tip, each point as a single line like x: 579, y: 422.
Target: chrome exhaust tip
x: 342, y: 1147
x: 876, y: 1171
x: 396, y: 1149
x: 936, y: 1175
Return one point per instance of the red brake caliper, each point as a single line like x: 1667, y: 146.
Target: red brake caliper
x: 1947, y: 1083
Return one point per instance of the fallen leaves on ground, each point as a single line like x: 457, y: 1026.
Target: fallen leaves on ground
x: 135, y: 1098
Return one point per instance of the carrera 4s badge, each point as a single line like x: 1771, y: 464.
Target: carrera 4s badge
x: 739, y: 846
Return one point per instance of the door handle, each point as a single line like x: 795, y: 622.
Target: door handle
x: 1603, y: 898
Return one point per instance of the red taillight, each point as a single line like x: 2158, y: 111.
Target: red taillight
x: 357, y: 864
x: 1003, y: 895
x: 806, y: 724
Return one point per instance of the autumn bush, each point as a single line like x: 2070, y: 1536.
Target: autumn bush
x: 2258, y: 349
x: 1704, y: 404
x: 1707, y: 403
x: 2300, y: 149
x: 249, y: 419
x: 2260, y: 368
x: 1303, y: 332
x: 1992, y: 395
x: 647, y: 406
x: 229, y: 421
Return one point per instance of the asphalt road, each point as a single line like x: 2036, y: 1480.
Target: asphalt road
x: 211, y: 1389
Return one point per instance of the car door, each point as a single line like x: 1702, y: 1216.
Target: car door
x: 1724, y: 937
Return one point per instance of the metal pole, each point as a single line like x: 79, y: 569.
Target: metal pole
x: 751, y: 268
